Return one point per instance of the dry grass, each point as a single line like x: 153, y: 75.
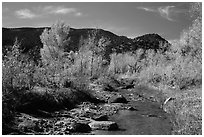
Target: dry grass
x: 186, y: 110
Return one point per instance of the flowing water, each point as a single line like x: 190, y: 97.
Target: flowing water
x: 148, y: 119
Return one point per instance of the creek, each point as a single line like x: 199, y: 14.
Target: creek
x: 147, y: 119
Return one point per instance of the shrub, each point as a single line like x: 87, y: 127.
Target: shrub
x: 49, y: 99
x: 17, y: 69
x: 126, y: 63
x: 17, y: 75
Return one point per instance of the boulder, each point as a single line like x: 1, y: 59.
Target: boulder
x: 103, y: 125
x: 117, y: 99
x: 132, y: 108
x: 30, y: 125
x: 80, y: 127
x: 100, y: 117
x: 109, y: 88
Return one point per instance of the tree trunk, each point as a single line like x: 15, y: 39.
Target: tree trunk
x: 82, y: 65
x: 92, y: 58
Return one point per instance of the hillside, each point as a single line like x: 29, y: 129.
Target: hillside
x: 30, y: 40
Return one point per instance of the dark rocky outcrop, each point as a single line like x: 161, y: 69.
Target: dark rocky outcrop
x: 151, y: 41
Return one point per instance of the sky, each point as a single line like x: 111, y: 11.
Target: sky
x: 129, y: 19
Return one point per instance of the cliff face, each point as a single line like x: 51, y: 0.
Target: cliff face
x: 30, y: 40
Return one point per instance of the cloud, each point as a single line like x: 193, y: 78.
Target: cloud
x: 164, y: 11
x: 45, y: 11
x: 146, y: 9
x: 61, y: 10
x: 25, y: 14
x: 65, y: 10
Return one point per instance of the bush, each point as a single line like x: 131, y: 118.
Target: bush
x: 126, y: 63
x: 17, y: 69
x: 17, y: 75
x: 49, y: 99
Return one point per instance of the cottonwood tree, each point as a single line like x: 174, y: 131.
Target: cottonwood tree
x: 186, y: 67
x: 192, y: 38
x: 54, y: 41
x: 92, y: 51
x: 53, y: 53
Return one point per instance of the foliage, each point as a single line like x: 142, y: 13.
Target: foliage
x: 54, y: 58
x: 89, y: 60
x: 196, y: 9
x: 17, y: 75
x: 17, y: 69
x: 54, y: 42
x: 188, y: 58
x: 126, y: 63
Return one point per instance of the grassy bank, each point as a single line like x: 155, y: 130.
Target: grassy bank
x: 185, y: 109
